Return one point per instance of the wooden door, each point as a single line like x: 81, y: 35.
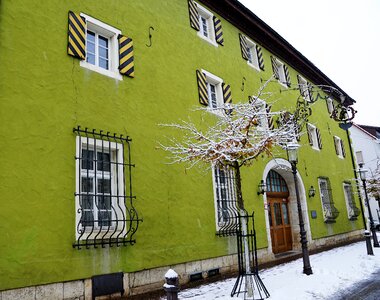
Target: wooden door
x: 280, y: 229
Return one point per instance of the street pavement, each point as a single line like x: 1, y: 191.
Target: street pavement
x: 368, y: 289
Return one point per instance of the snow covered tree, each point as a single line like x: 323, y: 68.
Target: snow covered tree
x: 241, y: 133
x: 373, y: 183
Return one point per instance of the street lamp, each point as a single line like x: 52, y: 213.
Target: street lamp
x: 363, y: 177
x: 292, y: 150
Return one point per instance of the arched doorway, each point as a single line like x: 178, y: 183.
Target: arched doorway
x: 278, y: 213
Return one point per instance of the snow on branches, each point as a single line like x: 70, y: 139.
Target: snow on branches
x: 373, y: 183
x: 241, y: 133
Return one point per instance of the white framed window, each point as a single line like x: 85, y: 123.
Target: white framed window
x: 101, y: 48
x: 280, y: 72
x: 262, y: 110
x: 214, y: 92
x: 253, y: 59
x: 304, y: 88
x: 330, y: 213
x: 100, y: 186
x: 352, y: 211
x: 314, y: 137
x: 330, y: 105
x: 359, y: 157
x: 206, y: 25
x: 339, y: 147
x: 225, y: 196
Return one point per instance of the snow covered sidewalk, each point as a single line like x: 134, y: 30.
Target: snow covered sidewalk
x: 334, y: 270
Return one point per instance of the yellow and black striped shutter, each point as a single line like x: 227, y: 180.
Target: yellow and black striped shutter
x: 77, y: 36
x: 260, y: 57
x: 275, y: 67
x: 227, y: 97
x: 218, y: 31
x: 194, y: 16
x: 319, y: 138
x: 287, y: 75
x: 126, y: 63
x: 243, y: 46
x: 202, y: 88
x: 270, y: 117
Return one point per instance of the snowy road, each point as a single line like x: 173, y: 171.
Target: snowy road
x: 335, y: 272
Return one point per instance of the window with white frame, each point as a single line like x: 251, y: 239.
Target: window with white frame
x: 225, y: 198
x: 352, y: 210
x: 280, y: 71
x: 330, y: 105
x: 339, y: 147
x: 101, y: 48
x: 330, y: 213
x: 261, y: 110
x: 359, y: 157
x: 100, y: 184
x: 214, y: 91
x: 314, y: 137
x: 304, y: 88
x: 206, y: 25
x: 252, y: 55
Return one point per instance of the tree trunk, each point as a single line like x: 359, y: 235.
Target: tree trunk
x: 244, y: 230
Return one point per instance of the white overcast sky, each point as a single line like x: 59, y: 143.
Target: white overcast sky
x: 340, y: 37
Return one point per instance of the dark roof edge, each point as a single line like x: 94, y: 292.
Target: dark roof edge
x: 246, y: 21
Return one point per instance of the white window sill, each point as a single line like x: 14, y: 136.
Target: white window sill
x: 340, y: 156
x: 253, y: 66
x: 212, y: 42
x: 112, y: 74
x: 315, y: 148
x: 283, y: 84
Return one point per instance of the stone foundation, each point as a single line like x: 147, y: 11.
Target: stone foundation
x: 145, y: 281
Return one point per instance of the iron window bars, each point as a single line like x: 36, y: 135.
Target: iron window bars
x: 330, y: 212
x: 226, y: 200
x: 105, y: 214
x: 353, y: 210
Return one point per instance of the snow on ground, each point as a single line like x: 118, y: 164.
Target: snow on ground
x: 333, y: 271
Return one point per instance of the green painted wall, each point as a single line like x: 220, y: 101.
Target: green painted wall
x: 45, y: 93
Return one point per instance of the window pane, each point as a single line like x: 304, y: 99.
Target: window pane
x: 104, y: 186
x: 103, y: 63
x: 90, y: 36
x: 87, y: 202
x: 104, y: 202
x: 90, y: 58
x: 87, y: 185
x: 90, y: 47
x: 87, y: 159
x: 87, y: 218
x: 103, y: 42
x: 104, y: 218
x: 103, y: 52
x: 277, y: 213
x: 103, y: 161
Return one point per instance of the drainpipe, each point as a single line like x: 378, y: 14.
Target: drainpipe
x: 356, y: 179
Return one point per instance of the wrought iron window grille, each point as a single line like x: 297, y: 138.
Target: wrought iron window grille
x: 330, y: 212
x: 105, y: 214
x: 226, y: 201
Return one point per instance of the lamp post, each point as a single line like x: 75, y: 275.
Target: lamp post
x: 292, y: 150
x: 362, y: 173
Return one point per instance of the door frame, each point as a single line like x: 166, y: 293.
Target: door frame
x: 283, y: 167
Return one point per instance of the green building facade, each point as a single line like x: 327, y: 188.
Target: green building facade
x: 118, y: 69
